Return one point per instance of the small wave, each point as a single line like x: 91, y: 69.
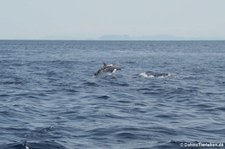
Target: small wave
x: 103, y: 97
x: 93, y: 84
x: 126, y: 135
x: 4, y: 95
x: 113, y: 80
x: 143, y: 148
x: 101, y: 132
x: 183, y: 91
x: 13, y: 81
x: 13, y: 146
x: 123, y: 84
x: 221, y: 109
x: 31, y: 145
x: 150, y: 91
x: 131, y: 62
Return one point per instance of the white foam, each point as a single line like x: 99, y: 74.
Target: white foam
x: 114, y: 70
x: 145, y: 75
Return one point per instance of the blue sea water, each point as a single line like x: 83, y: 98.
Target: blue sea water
x: 50, y: 99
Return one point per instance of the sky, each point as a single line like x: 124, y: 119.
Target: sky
x: 93, y: 19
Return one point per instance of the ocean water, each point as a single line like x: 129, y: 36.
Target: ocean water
x: 167, y: 93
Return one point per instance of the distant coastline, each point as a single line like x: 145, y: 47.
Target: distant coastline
x: 124, y: 37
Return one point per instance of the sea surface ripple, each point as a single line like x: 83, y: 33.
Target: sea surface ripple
x: 50, y: 98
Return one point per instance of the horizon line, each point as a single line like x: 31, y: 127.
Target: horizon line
x: 112, y: 39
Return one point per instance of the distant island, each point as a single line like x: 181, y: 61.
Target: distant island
x: 115, y: 37
x: 130, y: 37
x: 127, y: 37
x: 153, y: 37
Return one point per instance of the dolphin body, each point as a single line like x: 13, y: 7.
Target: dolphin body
x: 107, y: 68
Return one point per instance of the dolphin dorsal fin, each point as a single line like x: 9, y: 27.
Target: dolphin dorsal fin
x: 104, y: 64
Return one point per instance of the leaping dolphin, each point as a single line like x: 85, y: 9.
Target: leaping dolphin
x: 107, y: 68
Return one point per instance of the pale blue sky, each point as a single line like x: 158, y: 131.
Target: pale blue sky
x: 90, y: 19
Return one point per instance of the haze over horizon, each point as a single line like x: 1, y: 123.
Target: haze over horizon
x: 112, y: 19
